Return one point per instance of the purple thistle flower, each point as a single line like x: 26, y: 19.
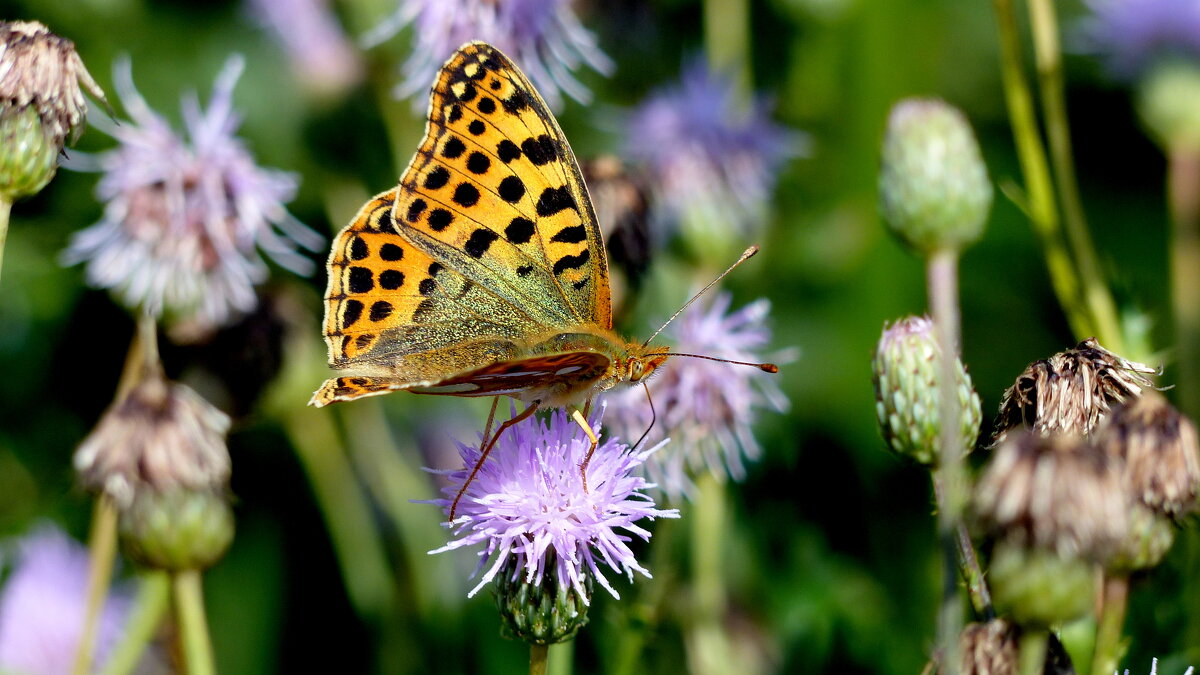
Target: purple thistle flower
x: 1131, y: 35
x: 707, y: 408
x: 320, y: 54
x: 544, y: 37
x: 528, y: 500
x: 712, y: 159
x: 186, y: 215
x: 42, y: 605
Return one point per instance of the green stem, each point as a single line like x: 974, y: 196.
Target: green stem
x: 727, y: 40
x: 537, y: 659
x: 1033, y: 651
x: 1112, y: 620
x: 193, y: 627
x: 943, y: 300
x: 645, y: 613
x: 562, y: 658
x: 5, y: 210
x: 145, y: 617
x: 1183, y: 178
x: 1048, y: 53
x: 1041, y: 209
x: 708, y: 645
x: 968, y: 563
x: 103, y: 546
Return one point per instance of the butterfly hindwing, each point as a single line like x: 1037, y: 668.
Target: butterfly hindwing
x: 495, y: 192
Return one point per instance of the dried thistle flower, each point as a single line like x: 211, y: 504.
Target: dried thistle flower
x: 1159, y: 449
x: 1070, y: 392
x: 159, y: 436
x: 1056, y: 492
x: 40, y: 104
x: 989, y: 648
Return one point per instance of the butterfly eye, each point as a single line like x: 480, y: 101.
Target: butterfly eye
x: 636, y: 369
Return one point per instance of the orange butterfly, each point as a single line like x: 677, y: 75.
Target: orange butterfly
x: 484, y: 272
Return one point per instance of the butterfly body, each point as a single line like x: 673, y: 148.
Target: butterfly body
x: 483, y: 273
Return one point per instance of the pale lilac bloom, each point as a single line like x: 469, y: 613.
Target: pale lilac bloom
x: 712, y: 159
x: 42, y: 605
x: 706, y: 408
x: 543, y: 37
x: 1154, y: 669
x: 186, y: 215
x: 321, y: 55
x: 528, y: 499
x: 1131, y: 35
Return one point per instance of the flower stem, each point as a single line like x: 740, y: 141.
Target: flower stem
x: 5, y: 211
x: 537, y: 658
x: 709, y: 650
x: 103, y: 546
x: 968, y: 562
x: 1048, y: 54
x: 727, y: 40
x: 942, y: 274
x: 1033, y: 651
x: 144, y: 619
x: 1183, y: 175
x: 193, y: 627
x: 1112, y: 618
x: 1040, y: 205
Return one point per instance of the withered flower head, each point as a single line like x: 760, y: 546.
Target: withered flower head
x: 40, y: 104
x: 1070, y: 392
x: 1158, y: 447
x: 160, y: 435
x: 1057, y: 493
x: 989, y: 648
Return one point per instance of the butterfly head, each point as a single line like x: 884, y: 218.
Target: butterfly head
x: 643, y: 361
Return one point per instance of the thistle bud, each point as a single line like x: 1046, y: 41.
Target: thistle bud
x: 934, y: 191
x: 905, y: 374
x: 1070, y: 392
x: 177, y: 529
x: 1038, y: 587
x: 1169, y: 104
x: 540, y: 611
x: 40, y: 104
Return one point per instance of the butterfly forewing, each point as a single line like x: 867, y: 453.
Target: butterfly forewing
x: 495, y: 193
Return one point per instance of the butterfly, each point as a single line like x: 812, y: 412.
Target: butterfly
x: 483, y: 273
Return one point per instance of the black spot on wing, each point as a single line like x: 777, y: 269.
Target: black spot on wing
x: 415, y: 209
x: 519, y: 230
x: 453, y: 148
x: 511, y: 189
x: 478, y: 163
x: 570, y: 235
x: 360, y: 280
x: 359, y: 249
x: 487, y: 105
x: 476, y: 127
x: 541, y: 150
x: 466, y: 195
x: 440, y: 219
x: 437, y: 178
x: 353, y: 310
x: 391, y: 252
x: 570, y: 262
x: 524, y: 270
x: 381, y: 310
x: 390, y: 280
x: 507, y: 151
x: 554, y: 200
x: 479, y: 242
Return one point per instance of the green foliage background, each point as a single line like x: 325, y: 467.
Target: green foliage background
x: 827, y: 555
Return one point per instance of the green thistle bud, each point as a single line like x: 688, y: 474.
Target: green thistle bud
x: 905, y: 374
x: 177, y: 529
x: 1169, y: 104
x: 934, y: 191
x: 542, y: 613
x: 1151, y: 535
x: 40, y: 104
x: 1038, y: 587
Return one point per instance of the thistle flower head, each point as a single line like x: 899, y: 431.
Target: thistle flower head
x: 42, y: 604
x: 989, y: 648
x: 1158, y: 448
x: 528, y: 500
x: 706, y: 407
x: 543, y: 36
x: 159, y: 436
x: 1056, y: 493
x: 1070, y: 392
x: 934, y: 191
x: 905, y: 374
x: 309, y: 33
x: 712, y: 159
x: 185, y: 217
x: 1131, y: 36
x: 41, y: 104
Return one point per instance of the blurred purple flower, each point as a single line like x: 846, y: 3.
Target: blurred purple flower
x: 528, y: 499
x: 320, y: 54
x: 185, y: 215
x: 712, y: 159
x: 707, y: 408
x: 42, y: 605
x: 1131, y: 35
x: 544, y: 37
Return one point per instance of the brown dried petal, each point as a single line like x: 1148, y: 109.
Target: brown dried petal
x: 161, y: 435
x: 1054, y: 492
x: 1159, y: 449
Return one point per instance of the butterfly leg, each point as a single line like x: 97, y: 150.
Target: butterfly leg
x: 487, y: 428
x: 587, y: 429
x: 487, y: 449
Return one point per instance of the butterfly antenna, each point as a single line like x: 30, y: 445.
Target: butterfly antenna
x: 746, y: 255
x: 765, y: 367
